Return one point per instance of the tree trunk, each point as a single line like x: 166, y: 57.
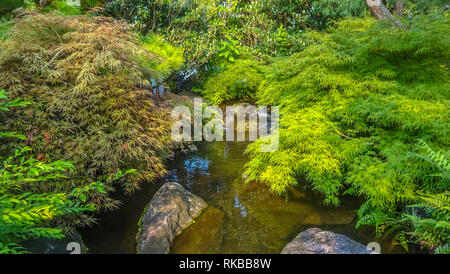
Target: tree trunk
x: 380, y: 12
x: 399, y: 8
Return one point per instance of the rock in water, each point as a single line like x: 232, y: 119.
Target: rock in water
x: 171, y: 210
x: 317, y: 241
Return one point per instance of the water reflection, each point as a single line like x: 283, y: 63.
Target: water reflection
x: 241, y: 207
x: 241, y: 218
x: 197, y: 165
x: 252, y: 219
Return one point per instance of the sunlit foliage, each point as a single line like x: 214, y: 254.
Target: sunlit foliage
x: 353, y: 105
x: 168, y: 58
x: 91, y: 98
x: 25, y: 213
x: 240, y: 80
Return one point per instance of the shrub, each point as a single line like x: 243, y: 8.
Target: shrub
x: 91, y: 103
x: 238, y: 80
x: 427, y: 222
x: 24, y: 213
x: 170, y: 58
x: 352, y: 105
x: 432, y: 231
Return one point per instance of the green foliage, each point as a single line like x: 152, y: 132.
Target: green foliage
x: 239, y: 80
x: 336, y: 9
x: 204, y: 27
x: 25, y: 214
x: 422, y: 6
x: 207, y: 29
x: 5, y: 25
x: 228, y: 50
x: 440, y: 164
x: 62, y: 7
x: 428, y: 221
x: 183, y: 23
x: 91, y: 99
x: 352, y: 105
x: 433, y: 231
x: 7, y: 6
x: 88, y: 4
x: 169, y: 58
x: 324, y: 11
x: 282, y: 39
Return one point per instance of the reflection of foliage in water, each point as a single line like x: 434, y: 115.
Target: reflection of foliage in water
x: 244, y: 218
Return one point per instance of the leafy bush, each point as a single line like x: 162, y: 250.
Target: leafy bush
x: 91, y: 103
x: 24, y: 213
x: 422, y: 6
x: 169, y: 58
x: 203, y: 27
x: 238, y: 80
x: 426, y: 223
x: 228, y: 50
x: 433, y: 231
x: 352, y: 105
x: 183, y: 23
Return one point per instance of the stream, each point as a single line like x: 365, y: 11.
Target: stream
x: 241, y: 218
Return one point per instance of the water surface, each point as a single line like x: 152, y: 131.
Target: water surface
x: 248, y: 218
x: 241, y: 218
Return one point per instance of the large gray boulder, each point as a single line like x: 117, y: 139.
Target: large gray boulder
x: 317, y: 241
x: 171, y: 210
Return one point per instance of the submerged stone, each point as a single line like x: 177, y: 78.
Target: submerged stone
x: 342, y: 217
x: 171, y: 210
x: 203, y: 236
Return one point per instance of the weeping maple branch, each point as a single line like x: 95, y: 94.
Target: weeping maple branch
x: 380, y: 12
